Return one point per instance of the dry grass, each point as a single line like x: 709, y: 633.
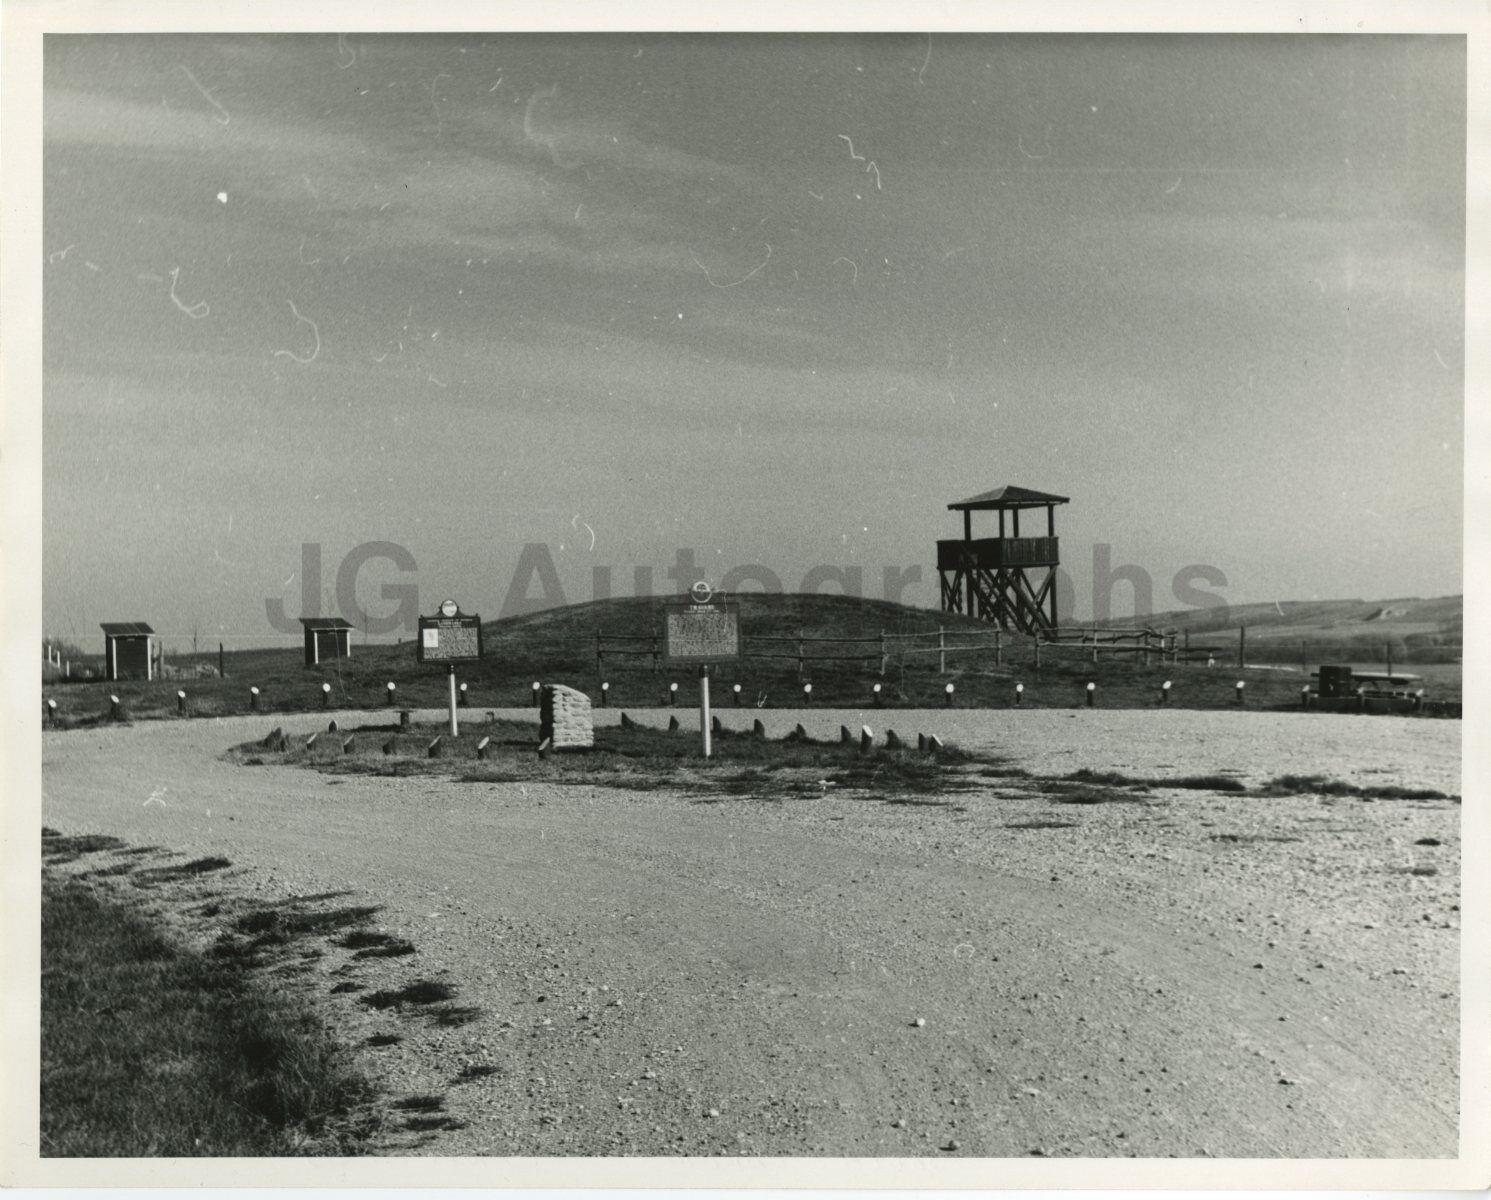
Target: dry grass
x: 151, y: 1049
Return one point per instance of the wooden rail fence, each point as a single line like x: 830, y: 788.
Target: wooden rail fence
x: 877, y: 651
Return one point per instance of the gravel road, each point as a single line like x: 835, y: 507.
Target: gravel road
x: 989, y: 973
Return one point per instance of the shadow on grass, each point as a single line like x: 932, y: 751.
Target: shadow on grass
x: 150, y: 1049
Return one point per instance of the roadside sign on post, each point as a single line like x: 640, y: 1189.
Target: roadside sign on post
x: 702, y: 629
x: 450, y: 636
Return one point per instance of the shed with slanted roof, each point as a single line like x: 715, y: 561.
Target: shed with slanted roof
x: 128, y: 653
x: 327, y: 639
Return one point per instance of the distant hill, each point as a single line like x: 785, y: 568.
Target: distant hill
x: 1418, y: 630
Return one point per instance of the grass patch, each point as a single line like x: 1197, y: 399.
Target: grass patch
x: 371, y: 944
x: 148, y: 1049
x: 1083, y: 793
x: 56, y: 848
x: 177, y: 872
x: 1197, y: 783
x: 424, y: 1104
x: 640, y: 757
x: 1321, y: 785
x: 427, y: 1124
x: 289, y: 921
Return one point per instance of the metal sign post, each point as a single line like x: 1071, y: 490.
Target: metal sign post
x: 454, y: 730
x: 702, y: 630
x: 704, y: 708
x: 450, y: 637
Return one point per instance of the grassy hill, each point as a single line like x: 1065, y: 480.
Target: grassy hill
x: 847, y: 645
x: 1414, y: 630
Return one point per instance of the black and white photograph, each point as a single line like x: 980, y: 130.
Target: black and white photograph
x: 655, y: 600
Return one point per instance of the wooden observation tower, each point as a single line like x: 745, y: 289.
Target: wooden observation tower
x: 1009, y: 581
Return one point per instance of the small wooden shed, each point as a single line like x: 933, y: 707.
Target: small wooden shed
x: 326, y: 639
x: 128, y: 653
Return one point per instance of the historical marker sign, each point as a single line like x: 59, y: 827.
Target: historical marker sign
x: 451, y: 637
x: 702, y: 633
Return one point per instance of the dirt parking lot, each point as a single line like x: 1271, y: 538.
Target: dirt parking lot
x: 990, y: 973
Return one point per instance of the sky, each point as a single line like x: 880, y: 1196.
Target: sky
x: 773, y: 301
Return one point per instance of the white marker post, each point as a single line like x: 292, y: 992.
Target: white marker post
x: 454, y: 732
x: 704, y: 729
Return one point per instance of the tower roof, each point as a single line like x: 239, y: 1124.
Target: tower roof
x: 1009, y: 496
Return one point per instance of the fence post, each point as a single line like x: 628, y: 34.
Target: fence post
x: 799, y: 653
x: 941, y: 650
x: 222, y: 669
x: 998, y: 647
x: 1242, y: 645
x: 654, y: 654
x: 1035, y: 641
x: 600, y: 668
x: 883, y: 655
